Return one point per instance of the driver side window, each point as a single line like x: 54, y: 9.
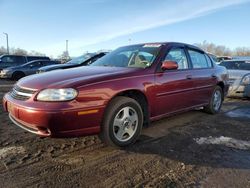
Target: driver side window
x: 178, y: 55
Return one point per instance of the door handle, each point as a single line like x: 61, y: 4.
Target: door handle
x: 189, y: 77
x: 213, y: 75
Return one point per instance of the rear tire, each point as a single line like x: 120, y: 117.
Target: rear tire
x: 18, y: 75
x: 122, y: 123
x: 215, y: 102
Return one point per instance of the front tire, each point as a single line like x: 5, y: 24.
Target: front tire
x: 18, y: 75
x: 215, y: 102
x: 122, y: 123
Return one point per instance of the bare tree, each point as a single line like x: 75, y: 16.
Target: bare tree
x: 218, y: 50
x: 64, y: 57
x: 18, y: 51
x: 2, y: 50
x: 33, y: 52
x: 242, y: 51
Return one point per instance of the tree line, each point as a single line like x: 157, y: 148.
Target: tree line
x: 221, y: 50
x: 19, y: 51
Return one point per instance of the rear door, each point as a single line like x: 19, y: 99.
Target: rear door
x: 174, y: 88
x: 204, y: 76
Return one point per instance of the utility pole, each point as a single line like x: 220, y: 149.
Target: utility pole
x: 67, y: 52
x: 7, y: 39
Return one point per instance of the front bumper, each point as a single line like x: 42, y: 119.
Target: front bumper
x: 239, y: 91
x: 48, y: 120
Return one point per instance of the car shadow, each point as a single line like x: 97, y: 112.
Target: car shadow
x: 179, y: 144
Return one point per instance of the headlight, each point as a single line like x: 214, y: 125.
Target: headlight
x: 246, y: 80
x: 4, y: 71
x: 65, y: 94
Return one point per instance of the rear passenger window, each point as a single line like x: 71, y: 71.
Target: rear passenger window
x: 20, y: 59
x: 199, y: 59
x: 178, y: 55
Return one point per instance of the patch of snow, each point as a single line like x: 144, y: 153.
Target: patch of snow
x: 5, y: 152
x: 226, y: 141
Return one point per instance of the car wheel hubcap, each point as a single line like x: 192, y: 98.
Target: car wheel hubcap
x: 125, y: 124
x: 217, y: 100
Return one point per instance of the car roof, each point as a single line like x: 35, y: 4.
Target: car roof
x: 169, y: 43
x: 11, y: 55
x: 39, y: 60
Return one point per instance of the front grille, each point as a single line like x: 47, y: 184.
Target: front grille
x: 21, y: 93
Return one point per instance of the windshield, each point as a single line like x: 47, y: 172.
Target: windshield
x: 236, y: 65
x: 81, y: 59
x: 139, y: 56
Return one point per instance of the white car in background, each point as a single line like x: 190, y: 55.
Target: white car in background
x: 239, y: 77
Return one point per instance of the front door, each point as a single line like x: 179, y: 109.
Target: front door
x: 174, y: 88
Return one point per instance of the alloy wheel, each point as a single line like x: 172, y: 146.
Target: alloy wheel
x: 125, y: 124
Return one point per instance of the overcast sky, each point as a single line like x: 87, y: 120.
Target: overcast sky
x: 44, y: 25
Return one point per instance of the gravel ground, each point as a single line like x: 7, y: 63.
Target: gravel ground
x: 192, y: 149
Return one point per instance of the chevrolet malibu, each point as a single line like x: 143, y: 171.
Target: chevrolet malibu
x: 119, y: 93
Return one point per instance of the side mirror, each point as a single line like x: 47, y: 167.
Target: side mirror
x: 169, y: 65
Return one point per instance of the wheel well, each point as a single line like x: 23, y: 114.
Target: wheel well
x: 141, y: 99
x: 17, y: 72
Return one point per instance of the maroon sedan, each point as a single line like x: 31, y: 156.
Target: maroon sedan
x: 119, y: 93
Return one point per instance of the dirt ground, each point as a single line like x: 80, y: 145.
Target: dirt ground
x: 188, y: 150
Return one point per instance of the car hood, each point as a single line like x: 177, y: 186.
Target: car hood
x: 58, y: 66
x: 237, y: 74
x: 74, y: 77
